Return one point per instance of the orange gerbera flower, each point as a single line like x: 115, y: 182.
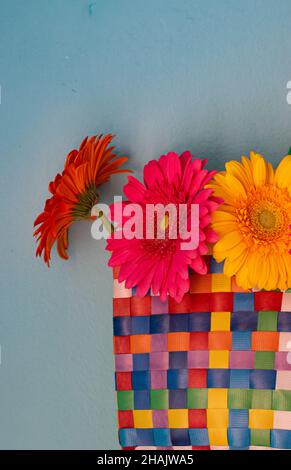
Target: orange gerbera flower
x: 75, y: 192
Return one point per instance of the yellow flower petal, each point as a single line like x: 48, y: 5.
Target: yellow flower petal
x: 259, y: 169
x: 232, y: 183
x: 283, y: 173
x: 237, y: 170
x: 227, y: 242
x: 222, y: 216
x: 221, y: 189
x: 242, y: 277
x: 272, y: 281
x: 264, y: 275
x: 248, y: 169
x: 283, y: 272
x: 224, y: 227
x: 256, y: 265
x: 226, y: 185
x: 231, y: 267
x: 270, y: 174
x: 287, y: 262
x: 236, y: 251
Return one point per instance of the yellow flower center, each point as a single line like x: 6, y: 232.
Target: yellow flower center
x: 267, y: 219
x: 263, y: 216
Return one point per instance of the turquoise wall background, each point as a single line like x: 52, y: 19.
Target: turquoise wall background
x: 204, y: 75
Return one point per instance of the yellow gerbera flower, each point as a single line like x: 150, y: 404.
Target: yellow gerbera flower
x: 253, y: 223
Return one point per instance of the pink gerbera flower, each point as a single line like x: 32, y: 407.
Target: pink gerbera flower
x: 161, y: 264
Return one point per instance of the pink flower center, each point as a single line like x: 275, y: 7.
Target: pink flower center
x: 162, y: 248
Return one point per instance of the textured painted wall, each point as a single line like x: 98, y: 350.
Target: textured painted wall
x: 163, y: 75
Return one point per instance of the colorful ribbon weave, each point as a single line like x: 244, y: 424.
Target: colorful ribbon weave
x: 212, y: 372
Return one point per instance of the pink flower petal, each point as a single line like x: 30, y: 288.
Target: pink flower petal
x: 202, y: 196
x: 211, y: 235
x: 152, y: 174
x: 134, y: 190
x: 199, y: 265
x: 171, y: 167
x: 185, y: 159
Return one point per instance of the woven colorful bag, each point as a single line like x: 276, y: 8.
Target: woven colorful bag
x: 213, y: 370
x: 210, y: 372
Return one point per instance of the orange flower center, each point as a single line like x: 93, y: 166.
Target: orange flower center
x: 263, y: 216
